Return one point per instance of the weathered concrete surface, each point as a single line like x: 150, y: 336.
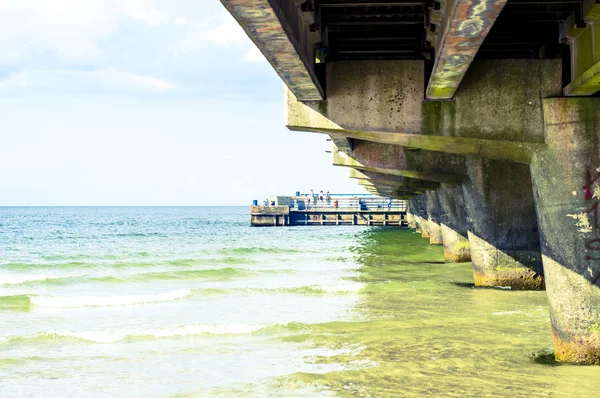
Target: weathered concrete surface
x: 390, y: 160
x: 382, y: 101
x: 433, y: 222
x: 387, y: 178
x: 372, y: 176
x: 412, y: 206
x: 268, y: 216
x: 414, y: 210
x: 463, y: 24
x: 503, y: 234
x: 422, y: 218
x: 585, y: 52
x: 567, y: 193
x: 453, y: 222
x: 410, y: 217
x: 278, y: 30
x: 388, y: 189
x: 410, y: 220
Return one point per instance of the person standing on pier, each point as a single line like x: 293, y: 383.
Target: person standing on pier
x: 389, y: 203
x: 328, y: 198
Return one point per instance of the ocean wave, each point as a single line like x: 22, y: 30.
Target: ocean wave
x: 507, y: 312
x: 113, y: 336
x: 260, y: 250
x: 19, y: 279
x: 105, y: 301
x: 24, y: 302
x: 346, y: 288
x: 63, y: 265
x: 15, y: 303
x: 94, y: 263
x: 188, y: 274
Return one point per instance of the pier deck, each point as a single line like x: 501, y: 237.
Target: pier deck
x: 370, y: 211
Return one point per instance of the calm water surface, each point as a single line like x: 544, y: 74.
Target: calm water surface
x: 193, y: 302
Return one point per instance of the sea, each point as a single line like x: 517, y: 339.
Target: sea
x: 194, y: 302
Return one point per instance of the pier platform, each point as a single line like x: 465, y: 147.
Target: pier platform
x: 347, y: 210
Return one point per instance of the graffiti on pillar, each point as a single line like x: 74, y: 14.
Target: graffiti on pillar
x: 590, y: 184
x: 592, y: 194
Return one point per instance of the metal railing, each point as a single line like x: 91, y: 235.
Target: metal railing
x: 347, y: 202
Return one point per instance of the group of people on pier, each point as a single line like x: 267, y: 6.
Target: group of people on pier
x: 315, y: 198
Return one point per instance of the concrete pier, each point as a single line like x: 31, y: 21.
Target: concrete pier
x: 503, y: 234
x: 433, y: 222
x: 567, y: 192
x: 483, y: 120
x: 453, y: 222
x: 369, y: 211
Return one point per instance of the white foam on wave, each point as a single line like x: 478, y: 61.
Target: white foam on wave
x: 507, y: 312
x: 113, y: 336
x: 105, y: 301
x: 17, y: 279
x: 347, y: 288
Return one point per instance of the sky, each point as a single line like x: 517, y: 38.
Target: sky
x: 145, y: 102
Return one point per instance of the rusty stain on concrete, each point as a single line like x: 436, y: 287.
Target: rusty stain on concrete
x: 467, y: 24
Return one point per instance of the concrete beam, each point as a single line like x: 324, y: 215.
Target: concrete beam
x: 399, y: 181
x: 585, y: 52
x: 588, y: 83
x: 369, y: 175
x: 464, y: 25
x: 390, y: 189
x: 278, y: 28
x: 344, y: 160
x: 342, y: 143
x: 388, y: 107
x: 386, y: 184
x: 387, y: 191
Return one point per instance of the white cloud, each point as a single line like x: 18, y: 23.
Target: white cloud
x: 142, y: 10
x: 84, y: 46
x: 226, y: 32
x: 180, y: 21
x: 220, y: 30
x: 68, y: 30
x: 100, y: 80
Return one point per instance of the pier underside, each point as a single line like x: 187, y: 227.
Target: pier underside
x: 483, y: 114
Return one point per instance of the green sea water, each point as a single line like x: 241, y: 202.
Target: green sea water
x: 193, y: 302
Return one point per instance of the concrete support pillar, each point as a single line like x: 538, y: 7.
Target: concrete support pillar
x: 566, y: 180
x: 416, y: 201
x: 416, y: 215
x: 433, y: 221
x: 421, y: 201
x: 417, y: 225
x: 410, y: 217
x: 503, y: 233
x: 453, y: 222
